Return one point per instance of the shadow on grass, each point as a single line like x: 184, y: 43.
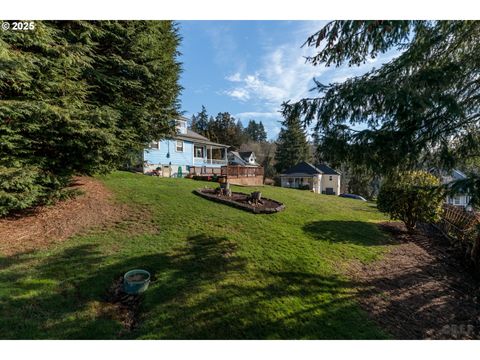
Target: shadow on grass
x: 201, y: 290
x: 354, y: 232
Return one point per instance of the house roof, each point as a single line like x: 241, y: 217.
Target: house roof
x: 306, y: 169
x: 327, y: 170
x: 448, y: 176
x: 457, y: 174
x: 240, y: 158
x: 245, y: 154
x: 195, y: 137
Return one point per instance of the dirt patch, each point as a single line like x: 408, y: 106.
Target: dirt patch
x: 420, y: 289
x: 45, y: 225
x: 122, y: 307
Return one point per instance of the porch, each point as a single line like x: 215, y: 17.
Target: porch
x: 209, y: 155
x: 303, y: 182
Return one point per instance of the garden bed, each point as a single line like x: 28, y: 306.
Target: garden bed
x: 241, y: 201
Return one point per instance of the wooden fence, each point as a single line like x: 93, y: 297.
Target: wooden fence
x: 457, y: 224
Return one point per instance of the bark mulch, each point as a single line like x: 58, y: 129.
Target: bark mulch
x: 420, y: 289
x: 45, y: 225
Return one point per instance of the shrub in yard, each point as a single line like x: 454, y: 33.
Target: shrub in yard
x: 411, y: 196
x: 25, y: 186
x: 18, y: 189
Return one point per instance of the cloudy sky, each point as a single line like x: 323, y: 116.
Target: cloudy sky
x: 249, y: 68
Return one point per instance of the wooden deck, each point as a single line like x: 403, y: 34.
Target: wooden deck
x: 236, y: 174
x: 243, y: 175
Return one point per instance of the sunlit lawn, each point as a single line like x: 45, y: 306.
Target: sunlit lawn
x: 219, y: 272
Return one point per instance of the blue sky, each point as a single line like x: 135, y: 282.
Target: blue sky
x: 249, y: 68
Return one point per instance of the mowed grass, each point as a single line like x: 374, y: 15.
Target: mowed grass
x: 219, y: 272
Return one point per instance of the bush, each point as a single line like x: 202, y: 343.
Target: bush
x: 19, y: 189
x: 412, y: 197
x: 25, y: 186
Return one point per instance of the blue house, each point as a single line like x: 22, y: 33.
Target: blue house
x: 187, y: 152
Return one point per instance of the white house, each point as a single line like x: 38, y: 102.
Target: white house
x: 459, y: 199
x: 243, y: 158
x: 321, y: 179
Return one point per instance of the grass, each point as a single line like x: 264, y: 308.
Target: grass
x: 220, y: 272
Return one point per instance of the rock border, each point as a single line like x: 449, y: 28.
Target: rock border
x: 256, y: 210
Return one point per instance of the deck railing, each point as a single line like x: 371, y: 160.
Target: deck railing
x: 233, y: 171
x: 209, y: 161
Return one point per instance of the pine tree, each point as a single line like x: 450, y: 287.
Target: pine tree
x: 261, y: 133
x: 224, y: 130
x: 425, y: 98
x: 200, y: 122
x: 76, y: 97
x: 292, y: 145
x: 136, y: 77
x: 256, y: 132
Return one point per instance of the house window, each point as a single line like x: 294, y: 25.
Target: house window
x: 154, y: 145
x: 179, y: 146
x: 198, y: 151
x: 330, y: 178
x: 456, y: 200
x: 181, y: 127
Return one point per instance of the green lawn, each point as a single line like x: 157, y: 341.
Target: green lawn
x: 219, y: 272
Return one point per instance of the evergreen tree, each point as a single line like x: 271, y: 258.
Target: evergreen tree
x: 256, y: 132
x: 426, y: 98
x: 261, y: 133
x: 136, y: 77
x: 292, y: 145
x: 224, y: 130
x: 200, y: 122
x: 76, y: 97
x: 240, y: 135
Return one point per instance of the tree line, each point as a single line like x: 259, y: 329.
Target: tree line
x: 224, y: 129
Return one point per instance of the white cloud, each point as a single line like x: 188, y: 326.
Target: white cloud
x: 255, y: 115
x: 237, y: 77
x: 239, y: 94
x: 285, y: 75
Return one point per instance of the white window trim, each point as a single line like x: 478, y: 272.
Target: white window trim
x: 151, y: 143
x: 195, y: 147
x: 176, y: 146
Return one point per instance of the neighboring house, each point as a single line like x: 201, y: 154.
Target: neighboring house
x: 459, y: 199
x: 243, y: 158
x: 320, y: 179
x: 183, y: 153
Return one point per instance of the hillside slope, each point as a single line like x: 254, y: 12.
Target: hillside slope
x: 219, y: 272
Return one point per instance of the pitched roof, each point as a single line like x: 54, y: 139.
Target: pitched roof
x: 306, y: 169
x: 245, y: 154
x: 448, y: 176
x: 236, y: 158
x: 327, y: 170
x: 195, y: 137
